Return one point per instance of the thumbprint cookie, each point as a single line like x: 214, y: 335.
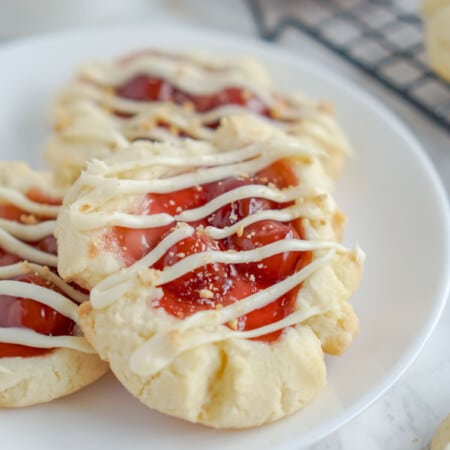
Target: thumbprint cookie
x: 217, y: 279
x: 167, y: 97
x: 436, y: 15
x: 42, y: 352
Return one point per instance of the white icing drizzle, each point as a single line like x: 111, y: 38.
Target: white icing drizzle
x: 205, y: 159
x: 259, y: 299
x: 88, y: 221
x: 187, y: 76
x: 171, y: 184
x: 20, y: 268
x: 204, y: 326
x: 55, y: 300
x: 192, y: 262
x: 30, y: 338
x: 46, y: 296
x: 85, y: 109
x: 280, y: 215
x: 80, y: 99
x: 240, y: 193
x: 93, y: 221
x: 28, y: 232
x: 16, y: 198
x: 115, y: 286
x: 25, y: 251
x: 83, y: 103
x: 11, y: 235
x: 84, y: 133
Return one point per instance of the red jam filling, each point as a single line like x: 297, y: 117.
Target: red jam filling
x: 27, y: 313
x: 12, y: 212
x: 148, y: 88
x: 216, y: 285
x: 23, y: 312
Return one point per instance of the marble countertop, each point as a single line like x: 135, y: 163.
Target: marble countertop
x: 407, y: 415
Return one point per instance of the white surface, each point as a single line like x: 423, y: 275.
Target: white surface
x: 389, y: 191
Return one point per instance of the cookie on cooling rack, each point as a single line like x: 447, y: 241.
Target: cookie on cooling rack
x: 437, y: 34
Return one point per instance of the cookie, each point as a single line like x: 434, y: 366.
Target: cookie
x: 441, y: 438
x: 437, y: 35
x: 42, y: 352
x: 215, y: 273
x: 167, y: 97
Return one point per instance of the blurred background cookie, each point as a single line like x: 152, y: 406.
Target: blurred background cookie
x: 437, y: 35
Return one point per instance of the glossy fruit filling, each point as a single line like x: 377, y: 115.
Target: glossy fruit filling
x: 23, y: 312
x: 27, y: 313
x: 12, y: 212
x: 147, y: 88
x: 216, y: 285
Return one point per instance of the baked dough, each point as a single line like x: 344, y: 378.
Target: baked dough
x: 441, y: 438
x: 86, y: 125
x: 40, y: 379
x: 437, y: 34
x: 232, y: 384
x: 221, y: 380
x: 35, y: 379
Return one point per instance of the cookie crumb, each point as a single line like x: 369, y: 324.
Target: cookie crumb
x: 28, y: 219
x: 206, y: 293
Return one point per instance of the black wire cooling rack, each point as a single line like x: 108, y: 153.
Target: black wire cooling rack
x: 384, y: 38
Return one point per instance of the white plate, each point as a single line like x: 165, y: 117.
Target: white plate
x: 397, y: 211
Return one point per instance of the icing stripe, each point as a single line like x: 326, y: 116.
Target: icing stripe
x: 25, y: 336
x: 280, y: 215
x: 45, y: 296
x: 18, y: 199
x: 201, y: 159
x: 31, y: 232
x: 11, y: 235
x: 116, y: 285
x: 193, y: 262
x: 240, y: 193
x: 184, y: 75
x: 25, y: 251
x: 79, y: 100
x: 94, y: 220
x: 201, y: 328
x: 260, y: 298
x: 166, y: 185
x: 20, y: 268
x: 41, y: 294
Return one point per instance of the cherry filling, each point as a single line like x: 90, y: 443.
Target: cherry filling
x: 24, y: 312
x: 147, y: 88
x: 215, y: 285
x: 27, y: 313
x: 12, y: 212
